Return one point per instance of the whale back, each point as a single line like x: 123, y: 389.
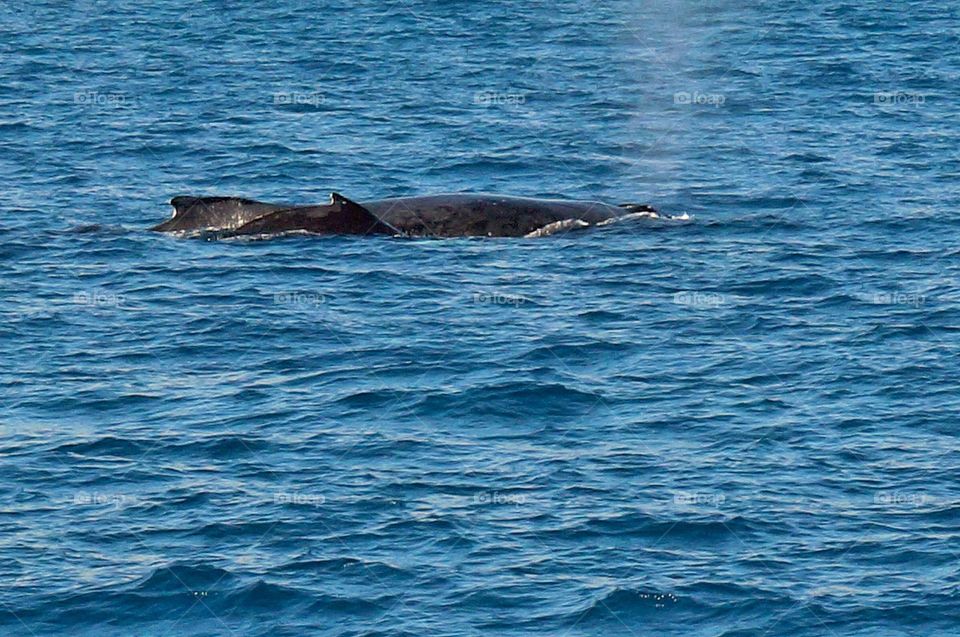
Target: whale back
x: 340, y: 216
x: 488, y: 215
x: 214, y: 213
x: 443, y: 215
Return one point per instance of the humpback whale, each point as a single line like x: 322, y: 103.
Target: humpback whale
x: 340, y: 216
x: 213, y: 213
x: 443, y: 215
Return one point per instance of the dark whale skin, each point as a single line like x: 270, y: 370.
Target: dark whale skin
x: 214, y: 213
x: 340, y: 216
x: 443, y: 215
x: 487, y: 215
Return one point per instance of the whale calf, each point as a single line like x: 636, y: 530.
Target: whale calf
x: 443, y: 215
x: 340, y: 216
x: 213, y: 213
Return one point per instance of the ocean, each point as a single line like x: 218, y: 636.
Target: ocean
x: 744, y: 424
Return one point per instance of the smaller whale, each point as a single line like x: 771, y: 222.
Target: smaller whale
x: 340, y: 216
x: 213, y: 213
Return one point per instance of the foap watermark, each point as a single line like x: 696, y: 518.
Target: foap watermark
x: 914, y: 299
x: 499, y: 98
x: 299, y: 98
x: 499, y: 497
x: 899, y: 98
x: 698, y: 498
x: 901, y: 498
x: 115, y: 500
x: 659, y: 600
x: 300, y: 299
x: 299, y: 498
x: 98, y: 298
x: 699, y: 300
x: 696, y: 98
x: 100, y: 99
x: 499, y: 298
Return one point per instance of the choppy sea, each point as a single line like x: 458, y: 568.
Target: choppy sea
x: 744, y: 425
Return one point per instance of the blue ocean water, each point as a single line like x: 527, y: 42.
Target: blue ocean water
x: 742, y: 425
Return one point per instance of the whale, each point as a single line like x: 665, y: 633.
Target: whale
x: 439, y: 215
x: 492, y: 215
x: 213, y: 213
x: 340, y: 216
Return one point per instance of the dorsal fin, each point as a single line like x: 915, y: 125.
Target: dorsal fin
x: 337, y: 198
x: 216, y: 213
x: 183, y: 203
x: 340, y: 216
x: 637, y: 207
